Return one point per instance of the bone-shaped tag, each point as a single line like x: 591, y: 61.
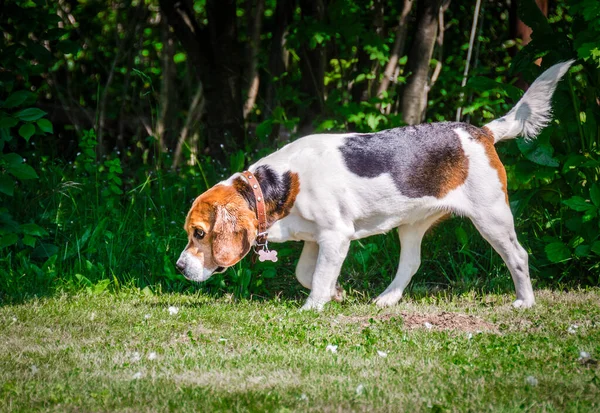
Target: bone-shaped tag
x: 267, y: 255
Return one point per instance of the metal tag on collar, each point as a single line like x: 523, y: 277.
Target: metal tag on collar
x: 264, y: 254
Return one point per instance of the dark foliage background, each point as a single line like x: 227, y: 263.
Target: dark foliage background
x: 115, y: 114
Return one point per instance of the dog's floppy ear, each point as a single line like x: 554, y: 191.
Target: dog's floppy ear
x: 232, y: 236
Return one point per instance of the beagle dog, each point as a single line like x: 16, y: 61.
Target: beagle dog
x: 329, y: 189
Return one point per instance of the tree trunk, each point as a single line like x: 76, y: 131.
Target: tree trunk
x: 252, y: 78
x: 215, y: 54
x: 312, y: 67
x: 167, y: 103
x: 414, y: 97
x: 520, y: 30
x: 398, y: 48
x: 194, y: 113
x: 277, y: 64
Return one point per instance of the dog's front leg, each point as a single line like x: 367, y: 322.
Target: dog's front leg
x: 333, y: 249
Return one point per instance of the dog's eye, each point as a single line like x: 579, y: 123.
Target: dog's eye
x: 199, y: 233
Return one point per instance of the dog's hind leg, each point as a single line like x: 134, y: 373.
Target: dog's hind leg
x: 410, y: 259
x: 496, y: 225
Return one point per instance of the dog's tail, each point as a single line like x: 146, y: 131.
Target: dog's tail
x: 533, y: 112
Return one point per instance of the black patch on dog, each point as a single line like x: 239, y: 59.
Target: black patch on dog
x: 423, y: 160
x: 279, y: 191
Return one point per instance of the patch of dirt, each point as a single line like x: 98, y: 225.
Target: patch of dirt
x: 448, y: 321
x: 438, y: 322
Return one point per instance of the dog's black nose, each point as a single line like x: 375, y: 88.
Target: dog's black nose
x: 180, y: 265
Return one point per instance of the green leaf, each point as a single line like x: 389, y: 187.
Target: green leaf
x: 44, y: 251
x: 55, y: 34
x: 481, y: 84
x: 68, y: 47
x: 45, y: 125
x: 26, y: 131
x: 8, y: 240
x: 29, y: 241
x: 461, y: 235
x: 30, y: 114
x: 582, y: 250
x: 22, y: 171
x: 5, y: 136
x: 577, y: 203
x: 17, y: 99
x: 7, y: 185
x: 263, y: 130
x: 557, y: 252
x: 12, y: 159
x: 34, y: 230
x: 372, y: 121
x: 595, y: 194
x: 101, y: 286
x: 179, y: 57
x: 83, y: 280
x: 537, y: 153
x: 8, y: 122
x: 596, y: 247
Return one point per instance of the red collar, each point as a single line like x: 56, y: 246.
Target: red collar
x: 261, y: 247
x: 261, y: 212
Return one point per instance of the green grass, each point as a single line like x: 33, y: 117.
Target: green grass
x: 83, y: 353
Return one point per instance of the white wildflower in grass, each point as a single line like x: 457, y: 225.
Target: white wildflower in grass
x: 572, y: 329
x: 152, y: 356
x: 331, y: 348
x: 14, y: 319
x: 531, y: 381
x: 303, y: 397
x: 469, y: 336
x: 381, y: 353
x: 147, y: 316
x: 34, y: 369
x: 137, y: 375
x: 135, y: 357
x: 222, y: 340
x: 584, y: 355
x: 173, y: 310
x: 360, y: 389
x: 427, y: 325
x: 92, y: 316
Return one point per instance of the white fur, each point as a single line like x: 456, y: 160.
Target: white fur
x: 328, y: 217
x: 335, y: 206
x: 193, y: 267
x: 533, y: 112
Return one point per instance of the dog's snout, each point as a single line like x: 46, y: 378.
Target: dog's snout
x: 180, y: 265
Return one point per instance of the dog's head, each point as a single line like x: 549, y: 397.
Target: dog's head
x: 220, y: 228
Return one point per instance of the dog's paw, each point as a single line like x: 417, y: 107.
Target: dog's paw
x: 523, y: 303
x: 388, y: 299
x: 313, y: 305
x: 339, y: 294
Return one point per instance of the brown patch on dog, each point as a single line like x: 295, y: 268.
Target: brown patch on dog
x: 229, y: 225
x: 280, y: 192
x: 277, y: 209
x: 486, y: 138
x: 452, y: 172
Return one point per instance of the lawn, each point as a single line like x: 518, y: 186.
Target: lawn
x: 191, y: 352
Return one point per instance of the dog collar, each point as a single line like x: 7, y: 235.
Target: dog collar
x: 262, y: 245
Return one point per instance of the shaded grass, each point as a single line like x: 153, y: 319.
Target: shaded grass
x: 78, y: 352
